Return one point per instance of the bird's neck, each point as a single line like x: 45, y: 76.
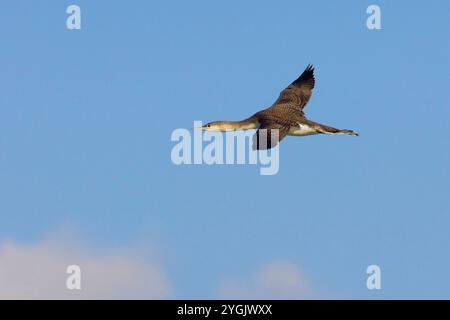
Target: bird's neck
x: 247, y: 124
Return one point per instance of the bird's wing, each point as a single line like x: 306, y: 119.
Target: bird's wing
x: 263, y: 140
x: 295, y: 97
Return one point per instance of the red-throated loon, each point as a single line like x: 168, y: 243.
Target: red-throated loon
x: 285, y: 115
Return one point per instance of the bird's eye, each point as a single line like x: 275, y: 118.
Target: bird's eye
x: 208, y: 125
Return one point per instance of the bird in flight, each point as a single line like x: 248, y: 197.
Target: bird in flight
x: 285, y: 116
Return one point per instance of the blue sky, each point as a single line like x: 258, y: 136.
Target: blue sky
x: 86, y: 117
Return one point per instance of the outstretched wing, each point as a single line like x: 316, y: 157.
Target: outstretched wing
x: 268, y: 135
x: 295, y: 97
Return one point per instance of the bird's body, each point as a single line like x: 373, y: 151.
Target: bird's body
x: 284, y: 117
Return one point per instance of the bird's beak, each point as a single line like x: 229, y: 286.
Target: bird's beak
x: 198, y: 128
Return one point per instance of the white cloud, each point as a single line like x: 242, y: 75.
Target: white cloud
x: 276, y: 280
x: 38, y: 271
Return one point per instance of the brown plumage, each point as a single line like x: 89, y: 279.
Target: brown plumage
x: 284, y: 117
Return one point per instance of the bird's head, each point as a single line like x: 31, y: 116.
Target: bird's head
x: 215, y: 126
